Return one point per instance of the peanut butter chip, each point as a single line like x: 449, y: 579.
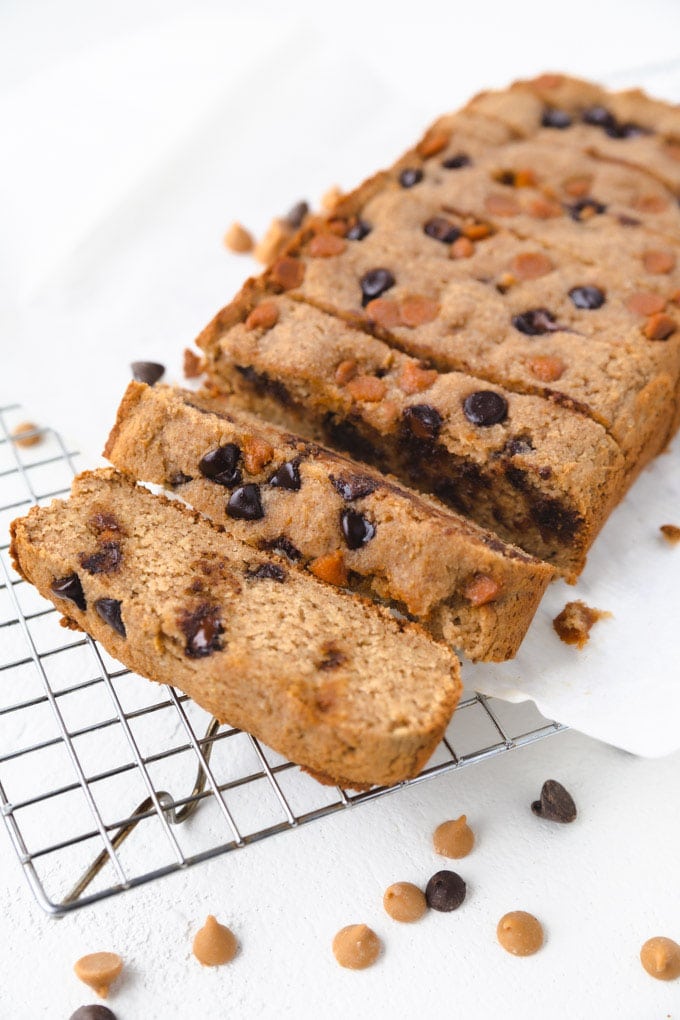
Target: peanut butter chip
x: 671, y: 532
x: 661, y: 958
x: 345, y: 371
x: 256, y: 453
x: 454, y: 839
x: 462, y: 248
x: 481, y: 589
x: 417, y: 311
x: 384, y: 312
x: 414, y: 379
x: 658, y: 262
x: 356, y: 947
x: 324, y: 246
x: 238, y: 239
x: 330, y: 568
x: 27, y: 434
x: 405, y: 902
x: 502, y: 205
x: 520, y: 933
x: 264, y: 316
x: 645, y: 302
x: 288, y: 272
x: 530, y: 265
x: 546, y: 367
x: 659, y: 326
x: 366, y: 388
x: 99, y: 971
x: 214, y: 943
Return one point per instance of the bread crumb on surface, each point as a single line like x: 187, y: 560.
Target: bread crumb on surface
x: 574, y: 623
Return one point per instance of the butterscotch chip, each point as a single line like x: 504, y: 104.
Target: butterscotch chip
x: 524, y: 178
x: 659, y: 327
x: 356, y: 947
x: 476, y: 231
x: 578, y: 187
x: 264, y: 316
x: 366, y: 387
x: 384, y: 312
x: 238, y: 239
x: 650, y: 203
x: 544, y: 209
x: 546, y: 367
x: 645, y: 302
x: 324, y: 246
x: 505, y: 281
x: 660, y: 957
x: 330, y: 568
x: 405, y: 902
x: 671, y: 532
x: 99, y: 971
x: 454, y: 838
x: 574, y: 623
x: 417, y: 311
x: 481, y: 589
x: 520, y: 933
x: 274, y: 241
x: 414, y: 379
x: 214, y: 943
x: 288, y: 272
x: 193, y: 365
x: 547, y: 81
x: 462, y: 248
x: 256, y: 453
x: 658, y: 262
x: 502, y: 205
x: 27, y: 434
x: 530, y: 265
x: 331, y: 197
x: 345, y: 371
x: 433, y: 142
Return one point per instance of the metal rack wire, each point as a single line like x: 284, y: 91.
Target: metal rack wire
x: 82, y: 740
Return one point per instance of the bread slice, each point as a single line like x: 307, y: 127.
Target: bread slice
x: 344, y: 521
x: 333, y: 682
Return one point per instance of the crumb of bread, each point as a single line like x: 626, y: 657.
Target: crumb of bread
x: 574, y: 623
x: 193, y: 365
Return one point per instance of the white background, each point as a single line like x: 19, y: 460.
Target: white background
x: 110, y: 250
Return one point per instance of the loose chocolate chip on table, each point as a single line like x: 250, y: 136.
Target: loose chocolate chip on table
x: 70, y: 588
x: 202, y: 629
x: 485, y: 407
x: 442, y: 230
x: 445, y: 891
x: 587, y: 297
x: 148, y: 372
x: 106, y: 560
x: 456, y: 162
x: 296, y: 215
x: 374, y: 283
x: 535, y: 322
x: 109, y: 610
x: 599, y: 116
x: 553, y: 118
x: 95, y: 1012
x: 358, y: 231
x: 585, y: 208
x: 356, y: 529
x: 245, y: 503
x: 556, y: 803
x: 352, y: 486
x: 220, y: 465
x: 287, y: 476
x: 270, y: 572
x: 423, y: 421
x: 410, y: 176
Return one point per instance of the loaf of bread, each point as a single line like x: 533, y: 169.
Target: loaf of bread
x: 344, y: 521
x: 332, y: 681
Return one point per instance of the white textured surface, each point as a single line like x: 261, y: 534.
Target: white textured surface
x: 136, y: 138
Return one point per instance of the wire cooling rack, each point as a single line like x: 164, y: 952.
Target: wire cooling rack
x: 83, y: 740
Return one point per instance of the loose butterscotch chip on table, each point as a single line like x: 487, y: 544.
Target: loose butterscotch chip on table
x: 99, y: 971
x: 520, y: 933
x: 405, y: 902
x: 574, y: 623
x: 214, y: 943
x: 454, y: 838
x: 27, y: 434
x: 357, y: 946
x: 660, y: 957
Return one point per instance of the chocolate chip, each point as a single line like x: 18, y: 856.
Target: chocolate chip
x: 269, y: 571
x: 202, y: 629
x: 352, y: 487
x: 106, y: 560
x: 148, y: 372
x: 628, y: 130
x: 553, y: 118
x: 179, y: 478
x: 281, y: 545
x: 485, y: 407
x: 535, y: 322
x: 287, y: 476
x: 423, y: 421
x: 71, y: 589
x: 585, y: 208
x: 445, y: 891
x: 506, y: 177
x: 245, y: 503
x: 100, y: 522
x: 628, y: 221
x: 556, y: 803
x: 442, y: 229
x: 220, y: 465
x: 599, y: 116
x: 296, y: 215
x: 95, y: 1012
x: 356, y: 529
x: 109, y: 610
x: 358, y: 231
x: 587, y: 297
x: 457, y: 162
x: 374, y: 283
x: 410, y: 176
x: 518, y: 445
x: 333, y: 657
